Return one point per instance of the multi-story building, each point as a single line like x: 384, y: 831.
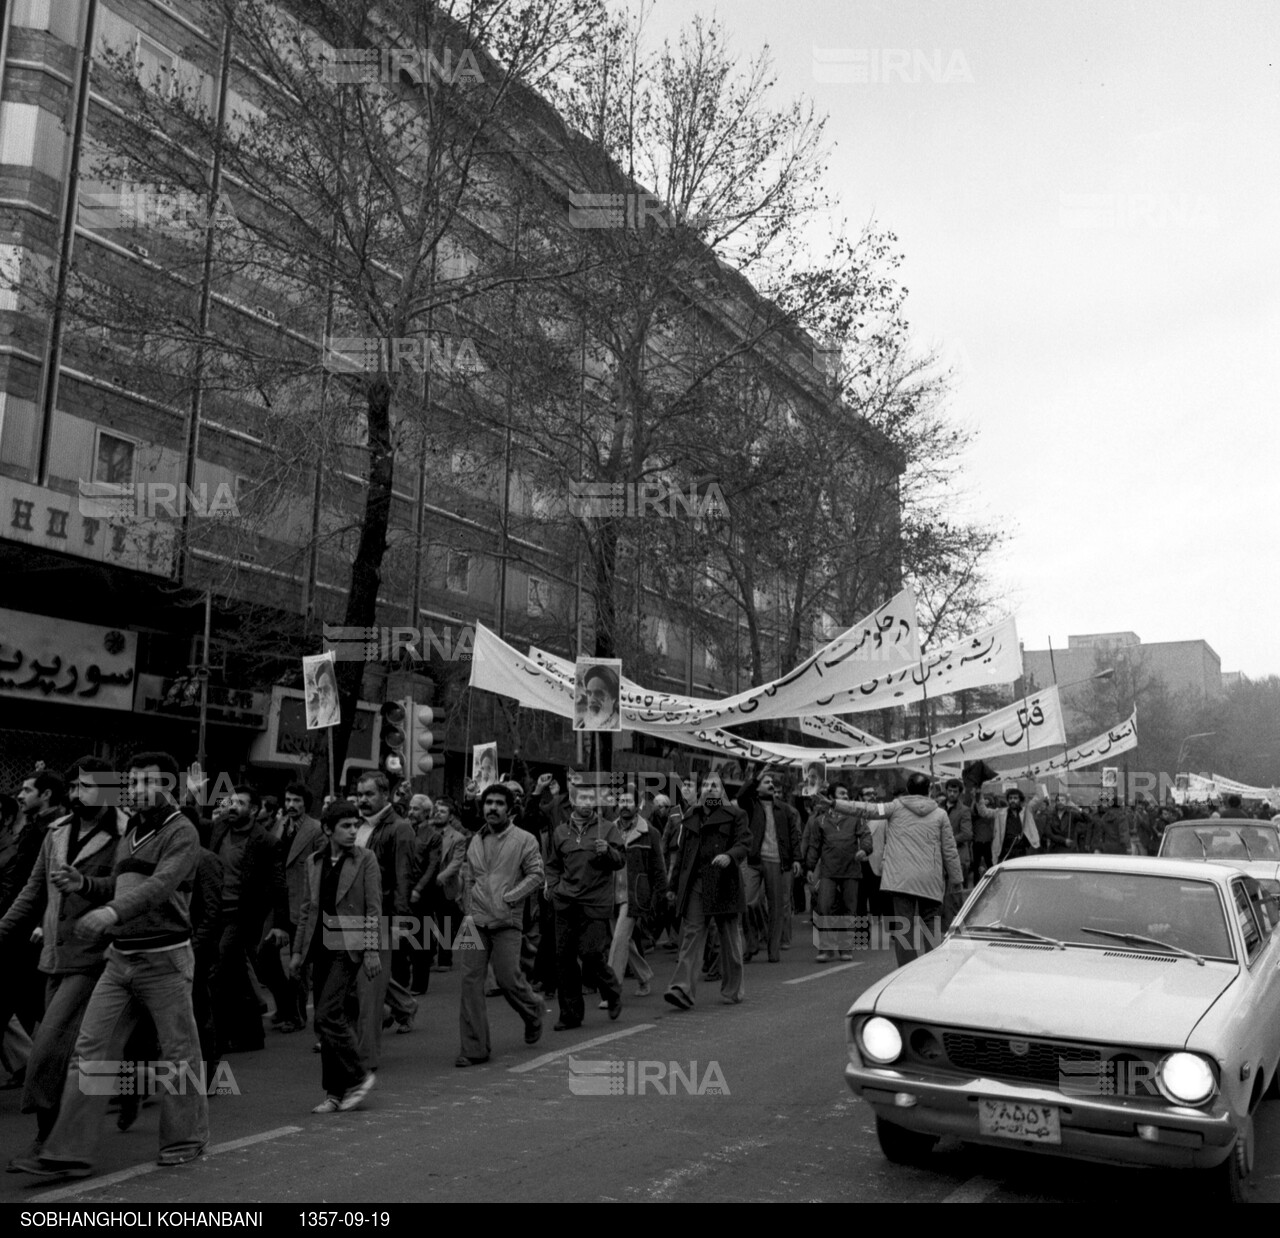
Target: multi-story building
x: 102, y: 628
x: 1188, y: 668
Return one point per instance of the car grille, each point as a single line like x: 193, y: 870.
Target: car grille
x: 994, y: 1056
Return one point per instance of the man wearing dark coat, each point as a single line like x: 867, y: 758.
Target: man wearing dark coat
x: 714, y: 839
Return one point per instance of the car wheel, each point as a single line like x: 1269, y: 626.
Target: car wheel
x: 901, y: 1146
x: 1236, y: 1172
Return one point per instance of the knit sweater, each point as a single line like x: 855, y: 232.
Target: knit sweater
x: 150, y: 887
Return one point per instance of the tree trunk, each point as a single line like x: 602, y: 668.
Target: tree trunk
x: 366, y: 569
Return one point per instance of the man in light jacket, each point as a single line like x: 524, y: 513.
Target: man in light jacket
x: 920, y: 856
x: 502, y: 868
x: 1015, y: 831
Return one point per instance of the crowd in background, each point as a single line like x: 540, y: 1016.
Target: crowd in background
x: 128, y: 903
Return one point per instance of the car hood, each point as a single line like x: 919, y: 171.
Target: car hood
x: 1076, y: 993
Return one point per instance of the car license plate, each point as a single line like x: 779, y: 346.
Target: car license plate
x: 1011, y: 1119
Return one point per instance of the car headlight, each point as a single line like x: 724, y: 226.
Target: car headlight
x: 880, y: 1040
x: 1186, y: 1078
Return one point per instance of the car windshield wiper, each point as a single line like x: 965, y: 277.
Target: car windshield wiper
x: 1245, y: 845
x: 1144, y: 941
x: 997, y: 927
x: 1204, y: 851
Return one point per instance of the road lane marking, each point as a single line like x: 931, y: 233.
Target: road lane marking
x: 586, y: 1044
x: 136, y: 1171
x: 826, y: 971
x: 972, y: 1192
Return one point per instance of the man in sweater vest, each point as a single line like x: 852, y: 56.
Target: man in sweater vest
x: 143, y: 908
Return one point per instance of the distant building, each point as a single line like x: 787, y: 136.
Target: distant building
x: 1187, y: 667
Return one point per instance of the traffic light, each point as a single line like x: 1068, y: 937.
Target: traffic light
x: 393, y: 757
x: 428, y: 747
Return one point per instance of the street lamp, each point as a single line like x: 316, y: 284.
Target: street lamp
x: 1182, y: 748
x: 1109, y: 673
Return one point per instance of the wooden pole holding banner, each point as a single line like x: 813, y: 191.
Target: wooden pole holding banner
x: 1066, y: 751
x: 333, y: 789
x: 928, y: 725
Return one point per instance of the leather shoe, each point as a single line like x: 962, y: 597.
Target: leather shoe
x: 43, y: 1169
x: 463, y: 1060
x: 564, y: 1026
x: 533, y: 1032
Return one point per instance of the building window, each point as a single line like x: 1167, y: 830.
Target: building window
x: 661, y: 637
x: 157, y: 66
x: 709, y: 660
x: 114, y: 460
x: 458, y: 572
x: 537, y: 597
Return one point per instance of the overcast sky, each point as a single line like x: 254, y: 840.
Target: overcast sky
x: 1088, y: 205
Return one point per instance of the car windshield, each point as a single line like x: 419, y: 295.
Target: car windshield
x: 1221, y: 841
x: 1062, y: 904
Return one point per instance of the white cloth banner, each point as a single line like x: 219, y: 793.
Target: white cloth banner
x: 838, y: 733
x: 1119, y: 739
x: 815, y: 688
x: 1231, y: 787
x: 1034, y: 722
x: 887, y: 638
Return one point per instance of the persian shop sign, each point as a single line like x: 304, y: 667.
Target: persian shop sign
x: 43, y: 659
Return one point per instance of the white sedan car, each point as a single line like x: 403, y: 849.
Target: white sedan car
x: 1251, y: 846
x: 1107, y: 1008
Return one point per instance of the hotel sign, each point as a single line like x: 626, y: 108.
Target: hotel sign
x: 52, y: 520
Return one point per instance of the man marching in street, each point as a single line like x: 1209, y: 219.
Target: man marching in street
x: 339, y: 935
x: 502, y: 868
x: 646, y: 891
x: 714, y: 839
x: 585, y: 852
x: 920, y: 857
x: 85, y: 839
x: 773, y: 860
x: 144, y: 908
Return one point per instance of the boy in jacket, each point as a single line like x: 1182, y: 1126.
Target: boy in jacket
x: 338, y: 932
x: 501, y: 869
x: 584, y: 853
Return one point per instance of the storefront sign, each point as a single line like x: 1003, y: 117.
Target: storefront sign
x: 43, y: 659
x: 54, y: 521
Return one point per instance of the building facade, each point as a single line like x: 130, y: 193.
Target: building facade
x: 119, y: 601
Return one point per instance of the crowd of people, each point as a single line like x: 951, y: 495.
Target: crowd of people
x: 140, y: 924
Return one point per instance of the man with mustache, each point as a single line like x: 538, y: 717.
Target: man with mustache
x: 714, y: 839
x: 501, y: 869
x: 772, y: 862
x: 583, y: 856
x: 84, y: 839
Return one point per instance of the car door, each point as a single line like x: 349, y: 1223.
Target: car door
x: 1258, y: 916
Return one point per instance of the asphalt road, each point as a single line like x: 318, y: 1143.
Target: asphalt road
x: 785, y: 1128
